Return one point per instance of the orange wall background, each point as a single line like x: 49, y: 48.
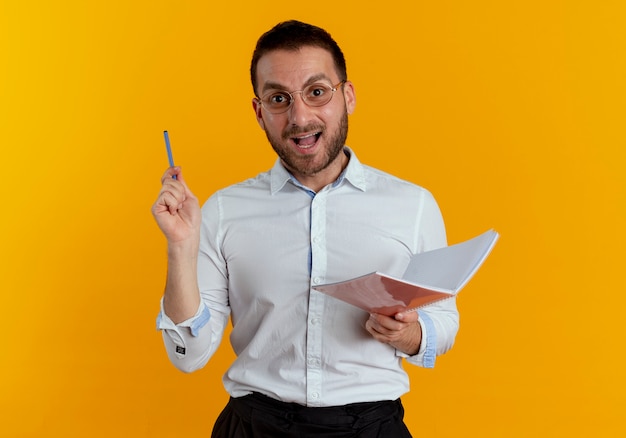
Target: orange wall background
x: 511, y: 113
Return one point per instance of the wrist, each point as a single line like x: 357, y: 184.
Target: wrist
x: 183, y: 249
x: 416, y: 340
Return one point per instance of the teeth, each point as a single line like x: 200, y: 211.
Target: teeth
x: 306, y: 139
x: 306, y: 136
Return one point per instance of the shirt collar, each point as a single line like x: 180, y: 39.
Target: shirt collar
x: 354, y: 173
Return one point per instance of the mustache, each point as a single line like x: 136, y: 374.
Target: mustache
x: 294, y: 131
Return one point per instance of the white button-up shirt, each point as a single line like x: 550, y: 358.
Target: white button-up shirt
x: 265, y: 243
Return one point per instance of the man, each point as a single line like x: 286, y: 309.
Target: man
x: 307, y: 364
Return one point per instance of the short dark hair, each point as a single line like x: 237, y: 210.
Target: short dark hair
x: 292, y: 35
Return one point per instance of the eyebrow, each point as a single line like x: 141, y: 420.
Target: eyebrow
x: 276, y: 86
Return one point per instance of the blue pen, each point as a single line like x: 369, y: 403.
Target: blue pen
x: 169, y: 150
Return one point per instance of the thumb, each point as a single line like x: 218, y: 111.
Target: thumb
x: 407, y: 316
x: 178, y: 173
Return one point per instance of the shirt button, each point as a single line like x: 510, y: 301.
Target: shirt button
x: 314, y: 395
x: 317, y: 280
x: 315, y: 321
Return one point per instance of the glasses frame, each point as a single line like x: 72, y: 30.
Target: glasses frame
x: 333, y: 88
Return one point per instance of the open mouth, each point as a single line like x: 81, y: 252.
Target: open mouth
x: 306, y: 141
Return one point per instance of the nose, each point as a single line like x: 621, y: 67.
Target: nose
x: 299, y: 112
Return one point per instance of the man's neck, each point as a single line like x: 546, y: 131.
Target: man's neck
x: 326, y: 176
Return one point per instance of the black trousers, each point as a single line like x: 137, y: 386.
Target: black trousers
x: 258, y: 416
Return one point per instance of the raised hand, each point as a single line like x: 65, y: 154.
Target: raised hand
x: 177, y: 213
x: 176, y: 209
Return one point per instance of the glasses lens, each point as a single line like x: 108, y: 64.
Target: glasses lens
x: 277, y: 101
x: 317, y: 94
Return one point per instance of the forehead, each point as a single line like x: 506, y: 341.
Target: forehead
x: 293, y: 68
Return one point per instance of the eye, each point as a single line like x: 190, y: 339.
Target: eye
x: 316, y: 92
x: 277, y: 99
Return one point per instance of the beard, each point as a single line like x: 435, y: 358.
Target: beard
x: 309, y: 165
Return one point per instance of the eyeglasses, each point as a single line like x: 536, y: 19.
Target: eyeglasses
x: 318, y: 94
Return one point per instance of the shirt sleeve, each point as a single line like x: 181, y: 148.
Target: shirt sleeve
x: 439, y: 321
x: 191, y: 343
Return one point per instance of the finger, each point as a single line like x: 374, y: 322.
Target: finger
x: 176, y: 186
x: 172, y: 202
x: 188, y: 193
x: 372, y: 330
x: 170, y: 173
x: 374, y: 324
x: 166, y: 202
x: 407, y: 316
x: 172, y: 195
x: 383, y: 324
x: 379, y: 332
x: 179, y: 181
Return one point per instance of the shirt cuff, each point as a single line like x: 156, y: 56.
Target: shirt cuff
x: 427, y: 352
x: 194, y: 324
x: 430, y: 346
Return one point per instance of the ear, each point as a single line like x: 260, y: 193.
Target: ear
x: 350, y: 96
x: 258, y: 111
